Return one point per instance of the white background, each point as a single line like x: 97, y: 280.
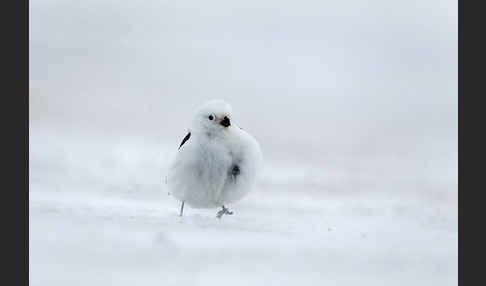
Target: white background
x: 353, y: 102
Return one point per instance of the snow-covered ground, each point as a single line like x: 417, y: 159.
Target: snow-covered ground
x: 103, y: 217
x: 354, y: 104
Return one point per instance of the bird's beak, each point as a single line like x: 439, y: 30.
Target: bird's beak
x: 225, y: 122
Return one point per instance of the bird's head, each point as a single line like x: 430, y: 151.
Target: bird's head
x: 213, y: 117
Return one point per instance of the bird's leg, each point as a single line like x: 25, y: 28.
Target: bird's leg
x: 182, y: 209
x: 227, y: 211
x: 223, y: 211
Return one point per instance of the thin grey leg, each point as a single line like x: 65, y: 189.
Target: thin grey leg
x: 182, y: 209
x: 224, y: 211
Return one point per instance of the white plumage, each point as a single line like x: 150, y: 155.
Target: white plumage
x: 217, y: 162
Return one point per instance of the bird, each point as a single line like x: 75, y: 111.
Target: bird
x: 217, y: 162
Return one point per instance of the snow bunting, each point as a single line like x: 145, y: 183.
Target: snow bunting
x: 217, y: 162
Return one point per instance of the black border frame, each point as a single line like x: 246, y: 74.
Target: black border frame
x: 14, y: 215
x: 15, y: 123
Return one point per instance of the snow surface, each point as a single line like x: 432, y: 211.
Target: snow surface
x: 354, y: 104
x: 104, y: 218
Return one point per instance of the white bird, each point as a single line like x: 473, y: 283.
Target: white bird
x: 217, y: 162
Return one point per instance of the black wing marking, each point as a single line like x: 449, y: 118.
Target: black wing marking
x: 234, y: 171
x: 185, y: 139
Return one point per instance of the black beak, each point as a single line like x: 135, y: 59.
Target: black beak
x: 225, y: 122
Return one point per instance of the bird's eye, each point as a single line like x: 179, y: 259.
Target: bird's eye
x: 210, y: 117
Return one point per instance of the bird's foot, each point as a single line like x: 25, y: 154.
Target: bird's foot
x: 223, y: 211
